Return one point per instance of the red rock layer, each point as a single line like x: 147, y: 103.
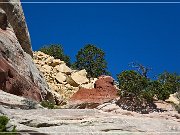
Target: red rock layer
x: 14, y: 83
x: 103, y: 92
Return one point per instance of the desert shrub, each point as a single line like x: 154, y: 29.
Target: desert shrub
x: 57, y: 52
x: 170, y: 84
x: 137, y: 92
x: 3, y: 122
x: 142, y: 87
x: 48, y: 104
x: 132, y: 83
x: 30, y: 103
x: 153, y: 88
x: 92, y: 59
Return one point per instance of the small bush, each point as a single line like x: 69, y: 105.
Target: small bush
x: 30, y: 103
x: 170, y: 84
x: 3, y: 122
x: 48, y: 104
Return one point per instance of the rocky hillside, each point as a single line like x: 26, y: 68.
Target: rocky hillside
x: 60, y: 77
x: 26, y: 81
x: 76, y: 89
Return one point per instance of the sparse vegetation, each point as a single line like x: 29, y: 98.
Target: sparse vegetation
x: 3, y: 129
x: 57, y: 52
x: 48, y: 104
x: 30, y: 103
x: 170, y: 84
x: 143, y: 70
x: 140, y: 89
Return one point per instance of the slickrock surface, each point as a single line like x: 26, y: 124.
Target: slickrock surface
x: 16, y: 102
x: 60, y: 77
x: 104, y: 91
x: 93, y: 121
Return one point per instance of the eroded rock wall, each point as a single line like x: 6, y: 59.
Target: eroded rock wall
x: 16, y: 18
x: 18, y: 73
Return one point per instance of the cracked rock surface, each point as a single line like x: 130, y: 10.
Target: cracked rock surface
x: 92, y: 121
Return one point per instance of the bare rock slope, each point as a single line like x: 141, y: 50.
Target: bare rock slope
x: 88, y: 122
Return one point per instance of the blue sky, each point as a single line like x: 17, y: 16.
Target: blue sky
x: 145, y: 33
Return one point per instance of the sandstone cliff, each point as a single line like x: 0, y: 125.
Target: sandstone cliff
x: 17, y: 20
x: 18, y: 74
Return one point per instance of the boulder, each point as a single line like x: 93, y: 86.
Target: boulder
x: 78, y: 78
x: 63, y: 68
x: 60, y: 77
x: 173, y: 99
x: 40, y: 56
x: 89, y: 85
x: 49, y: 60
x: 104, y: 91
x: 56, y: 62
x: 46, y: 68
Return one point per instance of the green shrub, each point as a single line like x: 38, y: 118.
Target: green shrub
x: 3, y: 122
x: 139, y: 86
x: 132, y: 83
x: 48, y: 104
x: 57, y: 52
x: 30, y: 103
x: 170, y: 84
x: 92, y: 59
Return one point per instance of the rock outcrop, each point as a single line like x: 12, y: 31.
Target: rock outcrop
x: 16, y: 18
x: 173, y: 99
x: 103, y: 91
x: 60, y: 77
x: 92, y: 121
x: 11, y: 101
x: 76, y: 89
x: 18, y: 73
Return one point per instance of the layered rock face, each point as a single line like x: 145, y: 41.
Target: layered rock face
x: 60, y: 77
x: 18, y: 74
x: 104, y: 91
x: 12, y: 82
x: 17, y: 20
